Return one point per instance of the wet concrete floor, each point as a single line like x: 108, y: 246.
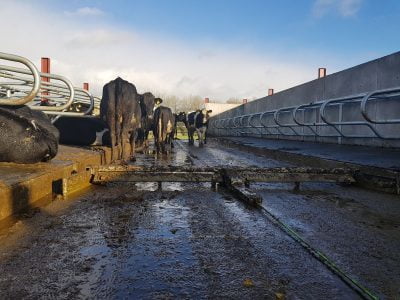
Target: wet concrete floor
x: 130, y: 241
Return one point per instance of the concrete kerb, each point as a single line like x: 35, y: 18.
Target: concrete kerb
x: 27, y: 186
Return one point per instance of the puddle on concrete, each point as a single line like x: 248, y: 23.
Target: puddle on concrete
x: 146, y: 186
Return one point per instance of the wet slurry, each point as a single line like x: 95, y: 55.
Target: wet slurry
x: 131, y: 241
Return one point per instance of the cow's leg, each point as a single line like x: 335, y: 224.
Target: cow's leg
x: 146, y: 139
x: 172, y: 143
x: 132, y: 148
x: 200, y: 136
x: 163, y: 139
x: 126, y: 144
x: 118, y: 136
x: 169, y: 142
x: 140, y: 137
x: 133, y: 138
x: 114, y: 149
x: 163, y: 147
x: 156, y: 142
x: 190, y: 134
x: 158, y: 149
x: 129, y: 149
x: 205, y: 135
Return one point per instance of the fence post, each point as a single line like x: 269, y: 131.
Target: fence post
x: 45, y: 68
x: 321, y: 72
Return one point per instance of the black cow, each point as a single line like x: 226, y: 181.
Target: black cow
x: 82, y: 131
x: 198, y: 121
x: 38, y: 116
x: 147, y: 103
x: 190, y: 126
x: 26, y: 136
x: 163, y: 128
x: 180, y: 117
x: 120, y: 109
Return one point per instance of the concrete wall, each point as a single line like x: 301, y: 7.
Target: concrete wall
x: 381, y: 73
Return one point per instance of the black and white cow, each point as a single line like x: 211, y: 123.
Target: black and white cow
x: 120, y: 109
x: 197, y: 121
x: 26, y: 136
x: 201, y: 123
x: 82, y: 131
x: 163, y: 129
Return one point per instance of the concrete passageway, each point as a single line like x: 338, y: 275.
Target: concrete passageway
x: 188, y: 241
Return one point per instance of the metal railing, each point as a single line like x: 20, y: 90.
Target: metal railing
x: 48, y: 90
x: 344, y: 117
x: 81, y: 96
x: 25, y: 86
x: 6, y: 99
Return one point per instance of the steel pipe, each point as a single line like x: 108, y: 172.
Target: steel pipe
x: 33, y: 71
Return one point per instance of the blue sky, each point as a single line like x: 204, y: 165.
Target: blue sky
x: 365, y: 26
x: 275, y: 43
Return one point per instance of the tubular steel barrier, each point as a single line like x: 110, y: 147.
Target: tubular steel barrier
x: 82, y: 96
x: 24, y: 86
x: 48, y: 90
x: 29, y: 94
x: 329, y: 118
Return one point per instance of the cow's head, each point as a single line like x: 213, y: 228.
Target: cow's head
x: 147, y: 102
x: 181, y: 117
x: 158, y: 101
x: 206, y: 114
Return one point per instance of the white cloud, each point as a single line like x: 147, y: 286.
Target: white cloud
x: 349, y: 7
x: 95, y: 38
x: 85, y: 11
x: 97, y: 53
x: 345, y: 8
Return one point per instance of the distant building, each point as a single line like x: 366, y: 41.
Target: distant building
x: 218, y: 108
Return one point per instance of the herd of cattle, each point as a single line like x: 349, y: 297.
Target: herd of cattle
x: 126, y: 118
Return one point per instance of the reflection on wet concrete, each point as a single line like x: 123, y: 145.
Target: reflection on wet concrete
x: 186, y: 241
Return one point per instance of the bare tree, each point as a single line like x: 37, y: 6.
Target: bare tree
x: 185, y: 103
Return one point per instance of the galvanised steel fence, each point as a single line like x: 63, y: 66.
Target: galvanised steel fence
x: 25, y: 85
x: 357, y: 116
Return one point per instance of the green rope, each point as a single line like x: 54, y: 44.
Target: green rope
x: 363, y: 291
